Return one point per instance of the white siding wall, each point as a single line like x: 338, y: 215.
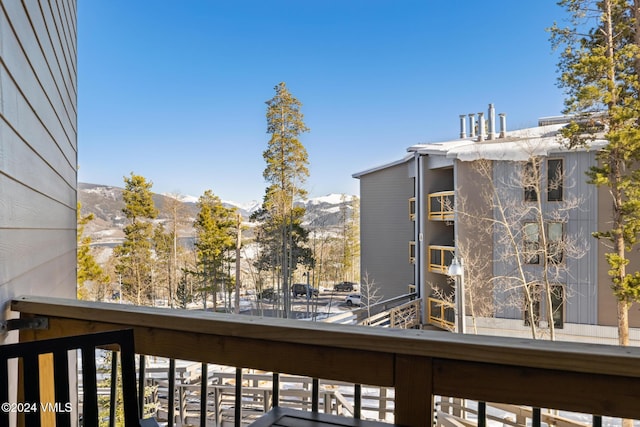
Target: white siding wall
x: 578, y: 275
x: 38, y: 149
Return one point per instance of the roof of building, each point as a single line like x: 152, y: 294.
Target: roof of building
x: 384, y: 166
x: 516, y: 145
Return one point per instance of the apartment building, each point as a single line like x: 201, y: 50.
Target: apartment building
x: 453, y: 198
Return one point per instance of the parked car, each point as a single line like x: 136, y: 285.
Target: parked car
x: 268, y: 293
x: 301, y: 289
x: 352, y: 299
x: 344, y: 287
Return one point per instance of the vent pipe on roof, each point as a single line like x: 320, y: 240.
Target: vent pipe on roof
x: 492, y: 122
x: 472, y: 125
x: 463, y: 123
x: 503, y: 125
x: 481, y: 133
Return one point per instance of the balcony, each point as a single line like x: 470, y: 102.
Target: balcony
x: 441, y: 314
x: 412, y: 208
x: 441, y: 206
x: 440, y: 258
x: 419, y: 366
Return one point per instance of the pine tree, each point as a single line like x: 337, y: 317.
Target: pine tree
x: 286, y: 171
x: 88, y: 268
x: 599, y: 71
x: 215, y: 231
x: 134, y: 255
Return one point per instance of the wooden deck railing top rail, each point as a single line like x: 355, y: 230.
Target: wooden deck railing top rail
x: 597, y: 379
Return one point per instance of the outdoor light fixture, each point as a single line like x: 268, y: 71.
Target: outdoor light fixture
x: 456, y: 270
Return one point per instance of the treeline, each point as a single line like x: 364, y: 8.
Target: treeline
x: 151, y: 265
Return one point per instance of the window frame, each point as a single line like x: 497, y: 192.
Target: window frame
x: 530, y: 191
x: 555, y: 178
x: 531, y: 248
x: 551, y: 254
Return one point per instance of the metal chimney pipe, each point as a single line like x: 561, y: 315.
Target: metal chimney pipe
x: 492, y: 122
x: 481, y: 133
x: 503, y: 125
x: 463, y: 123
x: 472, y: 125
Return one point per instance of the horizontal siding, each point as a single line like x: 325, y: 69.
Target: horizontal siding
x: 25, y: 208
x: 34, y: 73
x: 386, y: 229
x: 38, y: 148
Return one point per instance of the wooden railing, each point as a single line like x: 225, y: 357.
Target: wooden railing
x: 419, y: 364
x: 441, y: 206
x: 441, y: 314
x: 440, y: 258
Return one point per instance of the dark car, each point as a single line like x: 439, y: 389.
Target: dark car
x: 344, y: 287
x: 301, y: 289
x: 268, y: 293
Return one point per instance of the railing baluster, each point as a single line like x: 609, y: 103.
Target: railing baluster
x: 315, y: 395
x: 357, y: 401
x: 203, y: 395
x: 171, y: 393
x: 275, y: 390
x: 113, y: 402
x: 597, y: 421
x: 536, y: 418
x: 237, y: 419
x: 482, y: 414
x: 141, y: 384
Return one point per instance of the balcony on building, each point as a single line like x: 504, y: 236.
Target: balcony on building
x: 440, y: 258
x: 441, y: 205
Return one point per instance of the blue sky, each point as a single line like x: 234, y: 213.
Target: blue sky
x: 176, y: 91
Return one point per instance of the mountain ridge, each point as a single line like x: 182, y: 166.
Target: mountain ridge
x: 105, y: 203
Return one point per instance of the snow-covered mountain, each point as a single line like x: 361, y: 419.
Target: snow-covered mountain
x: 106, y: 203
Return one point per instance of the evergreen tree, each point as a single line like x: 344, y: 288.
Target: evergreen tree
x: 215, y: 230
x: 286, y: 171
x: 600, y: 60
x: 134, y: 255
x: 88, y: 268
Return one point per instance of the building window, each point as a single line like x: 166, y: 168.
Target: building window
x: 531, y: 243
x: 555, y: 238
x: 555, y: 175
x: 535, y: 306
x: 530, y: 181
x: 412, y: 209
x: 557, y: 305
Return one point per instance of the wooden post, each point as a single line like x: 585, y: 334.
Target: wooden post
x: 413, y: 391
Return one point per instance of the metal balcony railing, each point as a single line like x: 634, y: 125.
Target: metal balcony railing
x: 441, y: 206
x: 417, y: 366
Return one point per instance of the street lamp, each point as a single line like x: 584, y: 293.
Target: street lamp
x: 456, y: 270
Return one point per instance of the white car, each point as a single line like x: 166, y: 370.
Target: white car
x: 353, y: 299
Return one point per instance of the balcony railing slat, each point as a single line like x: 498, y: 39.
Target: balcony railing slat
x: 171, y: 393
x: 89, y: 384
x: 238, y: 409
x: 113, y: 389
x: 204, y: 381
